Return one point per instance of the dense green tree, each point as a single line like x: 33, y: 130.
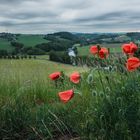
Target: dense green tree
x: 3, y: 52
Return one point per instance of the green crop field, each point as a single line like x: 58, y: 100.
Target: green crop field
x: 27, y: 40
x: 31, y: 40
x: 114, y: 48
x: 5, y: 45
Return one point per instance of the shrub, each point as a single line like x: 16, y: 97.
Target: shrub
x: 60, y: 57
x: 13, y: 57
x: 35, y: 51
x: 3, y: 52
x: 29, y: 56
x: 25, y: 56
x: 16, y: 57
x: 34, y: 57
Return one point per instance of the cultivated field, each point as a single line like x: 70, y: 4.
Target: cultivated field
x: 27, y: 40
x: 114, y: 48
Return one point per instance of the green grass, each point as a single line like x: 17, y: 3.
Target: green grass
x: 27, y: 40
x: 30, y: 107
x: 114, y: 48
x: 24, y: 85
x: 5, y: 45
x: 31, y: 40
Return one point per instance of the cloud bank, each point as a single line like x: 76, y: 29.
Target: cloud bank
x: 45, y: 16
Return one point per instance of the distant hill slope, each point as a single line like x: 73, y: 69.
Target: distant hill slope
x: 62, y: 36
x: 65, y: 39
x: 31, y: 40
x: 27, y: 40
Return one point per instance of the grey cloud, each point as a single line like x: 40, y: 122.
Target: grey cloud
x: 39, y: 16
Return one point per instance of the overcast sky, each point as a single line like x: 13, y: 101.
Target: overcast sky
x: 46, y: 16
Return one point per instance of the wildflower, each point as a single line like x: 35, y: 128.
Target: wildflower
x: 103, y: 53
x: 132, y: 63
x: 65, y: 96
x: 129, y: 48
x: 54, y: 75
x: 75, y: 77
x: 94, y: 50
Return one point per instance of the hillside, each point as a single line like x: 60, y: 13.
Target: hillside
x: 60, y: 41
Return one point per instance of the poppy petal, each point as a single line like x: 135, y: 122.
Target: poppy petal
x: 65, y: 96
x: 75, y: 77
x: 129, y: 48
x: 134, y: 47
x: 132, y: 63
x: 103, y: 53
x: 54, y: 75
x: 94, y: 49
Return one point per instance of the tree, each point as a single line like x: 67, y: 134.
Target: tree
x: 17, y: 47
x: 3, y: 52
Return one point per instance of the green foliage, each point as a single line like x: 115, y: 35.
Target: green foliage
x: 35, y: 51
x: 62, y: 35
x: 3, y: 52
x: 115, y: 114
x: 31, y: 40
x: 59, y: 57
x: 17, y: 47
x: 134, y: 35
x: 107, y: 107
x: 137, y: 53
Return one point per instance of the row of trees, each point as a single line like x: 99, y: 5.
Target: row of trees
x: 17, y: 57
x: 61, y: 57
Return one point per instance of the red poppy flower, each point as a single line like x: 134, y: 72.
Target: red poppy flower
x: 75, y: 77
x: 55, y: 75
x: 103, y: 53
x: 94, y: 49
x: 65, y: 96
x: 132, y: 63
x: 129, y: 48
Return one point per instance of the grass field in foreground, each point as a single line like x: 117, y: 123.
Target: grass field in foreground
x: 30, y: 107
x: 21, y: 72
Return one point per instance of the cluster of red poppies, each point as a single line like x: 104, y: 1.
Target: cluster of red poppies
x: 129, y: 49
x: 132, y: 62
x: 65, y: 96
x: 102, y: 52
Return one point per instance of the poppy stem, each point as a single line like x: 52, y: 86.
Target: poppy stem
x: 55, y: 82
x: 100, y: 77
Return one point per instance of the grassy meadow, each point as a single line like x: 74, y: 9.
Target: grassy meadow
x: 27, y: 40
x: 114, y: 48
x: 31, y: 40
x: 104, y: 100
x: 105, y: 105
x: 4, y: 44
